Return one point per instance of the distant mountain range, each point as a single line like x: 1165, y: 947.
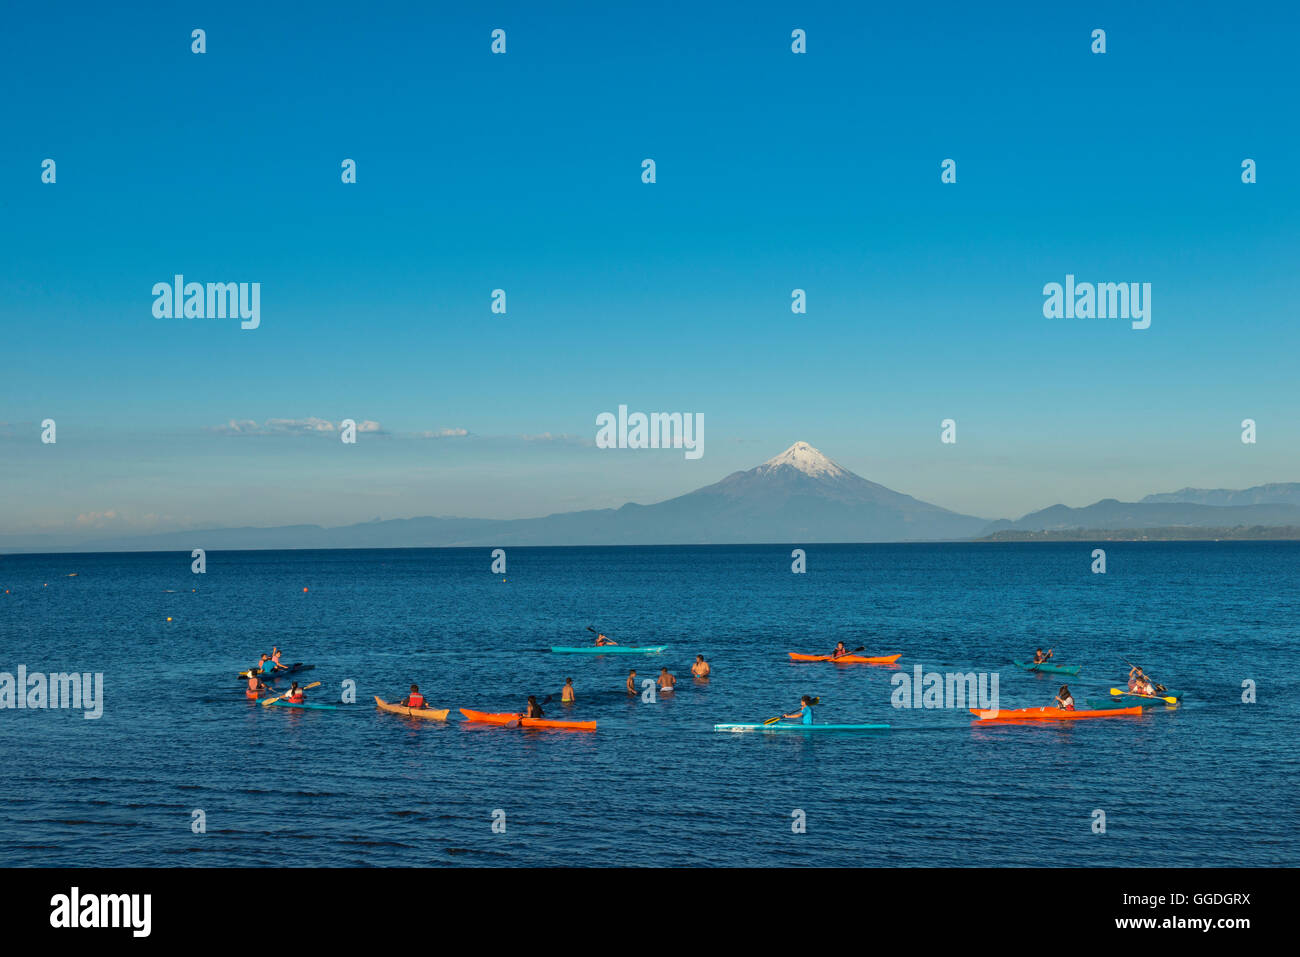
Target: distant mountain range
x: 800, y: 496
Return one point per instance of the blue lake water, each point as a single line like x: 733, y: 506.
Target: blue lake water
x: 1209, y: 783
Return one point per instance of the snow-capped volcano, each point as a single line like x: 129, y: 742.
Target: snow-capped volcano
x: 806, y: 459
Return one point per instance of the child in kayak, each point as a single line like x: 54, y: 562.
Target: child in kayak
x: 631, y: 682
x: 1041, y: 657
x: 295, y: 694
x: 1064, y: 700
x: 414, y: 699
x: 601, y: 640
x: 701, y: 667
x: 805, y: 711
x: 255, y: 686
x: 534, y: 710
x: 840, y: 651
x: 276, y: 664
x: 567, y: 695
x: 666, y: 681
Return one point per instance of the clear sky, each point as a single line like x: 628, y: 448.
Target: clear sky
x: 522, y: 171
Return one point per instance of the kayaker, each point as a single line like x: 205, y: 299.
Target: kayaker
x: 261, y: 668
x: 701, y: 667
x: 631, y: 682
x: 295, y: 694
x: 1138, y: 681
x: 567, y: 695
x: 1040, y: 656
x: 602, y: 640
x: 666, y: 680
x: 414, y: 699
x: 534, y: 710
x: 840, y: 651
x: 805, y: 711
x: 1064, y: 700
x: 255, y: 686
x: 277, y: 665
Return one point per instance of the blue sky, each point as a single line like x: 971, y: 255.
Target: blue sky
x: 522, y: 171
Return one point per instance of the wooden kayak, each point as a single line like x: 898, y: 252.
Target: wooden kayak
x: 433, y: 714
x: 485, y: 717
x: 1048, y: 714
x: 848, y: 659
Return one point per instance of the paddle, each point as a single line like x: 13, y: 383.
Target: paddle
x: 279, y: 696
x: 514, y: 722
x: 1155, y: 685
x: 780, y: 716
x: 1117, y: 692
x: 595, y: 632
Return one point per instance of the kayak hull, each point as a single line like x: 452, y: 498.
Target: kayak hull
x: 486, y: 717
x: 848, y: 659
x: 1112, y: 704
x: 792, y: 726
x: 293, y: 669
x: 433, y: 714
x: 608, y: 650
x: 1049, y: 668
x: 1048, y: 714
x: 304, y: 704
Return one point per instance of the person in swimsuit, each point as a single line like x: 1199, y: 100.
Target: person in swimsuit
x: 262, y: 668
x: 631, y: 682
x: 277, y: 665
x: 414, y: 699
x: 567, y: 695
x: 666, y: 680
x: 1040, y: 656
x: 601, y: 640
x: 805, y: 711
x: 701, y: 667
x: 534, y: 710
x: 1064, y: 700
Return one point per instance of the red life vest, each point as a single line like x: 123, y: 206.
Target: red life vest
x: 415, y: 700
x: 298, y: 698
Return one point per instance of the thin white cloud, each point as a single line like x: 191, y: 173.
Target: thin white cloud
x: 308, y: 426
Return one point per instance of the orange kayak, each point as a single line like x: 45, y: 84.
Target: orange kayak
x: 847, y: 659
x: 1048, y: 714
x: 485, y: 717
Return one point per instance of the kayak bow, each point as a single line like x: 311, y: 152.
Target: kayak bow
x: 848, y: 659
x: 486, y: 717
x: 433, y: 714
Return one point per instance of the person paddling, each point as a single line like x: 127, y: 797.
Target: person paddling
x: 701, y: 667
x: 1041, y: 657
x: 840, y: 651
x: 567, y: 695
x: 255, y: 686
x: 534, y: 710
x: 666, y: 680
x: 1064, y: 700
x: 413, y: 699
x: 276, y: 664
x: 295, y: 694
x: 601, y: 640
x: 1139, y: 683
x: 805, y: 711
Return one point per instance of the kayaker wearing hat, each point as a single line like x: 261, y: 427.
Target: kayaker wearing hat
x: 414, y: 699
x: 295, y: 694
x: 666, y: 680
x: 1040, y: 656
x: 1064, y: 699
x: 805, y: 711
x: 701, y: 667
x: 567, y: 695
x: 534, y: 710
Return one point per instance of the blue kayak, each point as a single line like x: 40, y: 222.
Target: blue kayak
x: 305, y: 704
x: 609, y: 650
x: 795, y: 726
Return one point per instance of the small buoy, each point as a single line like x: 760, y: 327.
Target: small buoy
x: 169, y: 619
x: 304, y: 589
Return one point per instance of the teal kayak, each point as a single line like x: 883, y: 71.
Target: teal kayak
x: 608, y: 650
x: 305, y: 704
x: 1054, y: 669
x: 1132, y: 700
x: 794, y: 726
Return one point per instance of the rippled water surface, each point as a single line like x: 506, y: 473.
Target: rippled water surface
x: 1212, y: 782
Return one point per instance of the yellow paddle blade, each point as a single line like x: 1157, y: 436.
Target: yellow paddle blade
x: 314, y: 684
